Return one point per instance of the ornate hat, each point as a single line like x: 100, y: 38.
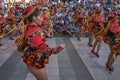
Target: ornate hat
x: 17, y: 7
x: 90, y: 12
x: 98, y: 10
x: 111, y: 16
x: 11, y: 16
x: 10, y: 19
x: 116, y: 30
x: 29, y: 10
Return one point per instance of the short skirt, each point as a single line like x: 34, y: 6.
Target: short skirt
x: 36, y: 59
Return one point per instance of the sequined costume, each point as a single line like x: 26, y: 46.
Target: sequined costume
x: 90, y: 21
x: 111, y: 36
x: 98, y: 26
x: 37, y: 52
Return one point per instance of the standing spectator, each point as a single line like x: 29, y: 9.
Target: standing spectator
x: 4, y: 7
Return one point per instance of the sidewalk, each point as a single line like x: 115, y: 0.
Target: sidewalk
x: 75, y: 62
x: 4, y: 55
x: 96, y: 66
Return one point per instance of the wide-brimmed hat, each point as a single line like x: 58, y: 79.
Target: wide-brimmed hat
x: 29, y: 10
x: 116, y: 30
x: 98, y: 10
x: 90, y: 12
x: 111, y: 16
x: 10, y: 19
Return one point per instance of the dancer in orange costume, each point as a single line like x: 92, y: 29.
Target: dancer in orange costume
x: 11, y: 22
x: 98, y: 20
x: 79, y: 23
x: 112, y: 38
x: 89, y: 25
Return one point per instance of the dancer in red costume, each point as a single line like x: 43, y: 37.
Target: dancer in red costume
x: 112, y: 38
x: 96, y: 29
x: 35, y: 52
x: 11, y: 22
x: 79, y: 23
x: 89, y: 25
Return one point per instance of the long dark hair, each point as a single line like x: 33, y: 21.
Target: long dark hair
x: 34, y: 14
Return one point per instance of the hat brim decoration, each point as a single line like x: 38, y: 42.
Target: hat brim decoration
x: 11, y: 19
x: 111, y: 16
x: 98, y: 10
x: 90, y: 12
x: 1, y: 17
x: 29, y: 10
x: 17, y: 7
x: 116, y: 30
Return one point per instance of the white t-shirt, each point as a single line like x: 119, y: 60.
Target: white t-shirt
x: 58, y: 14
x: 79, y: 1
x: 97, y: 5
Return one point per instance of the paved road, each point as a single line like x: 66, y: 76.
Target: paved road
x: 75, y: 62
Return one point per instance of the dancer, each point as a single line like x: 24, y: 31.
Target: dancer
x: 98, y: 19
x: 32, y: 45
x: 112, y: 38
x: 89, y: 25
x: 79, y: 23
x: 11, y: 23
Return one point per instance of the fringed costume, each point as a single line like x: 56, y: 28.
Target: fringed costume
x: 32, y: 44
x: 37, y: 51
x: 90, y: 21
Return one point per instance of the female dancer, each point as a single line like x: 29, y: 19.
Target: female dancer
x: 11, y: 23
x: 32, y: 45
x: 112, y: 38
x: 98, y: 20
x: 79, y: 23
x: 89, y: 25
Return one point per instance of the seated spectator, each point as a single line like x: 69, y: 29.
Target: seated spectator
x: 58, y: 25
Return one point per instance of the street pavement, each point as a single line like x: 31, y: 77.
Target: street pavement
x: 75, y: 62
